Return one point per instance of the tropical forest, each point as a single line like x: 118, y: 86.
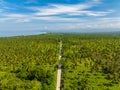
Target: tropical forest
x: 88, y: 61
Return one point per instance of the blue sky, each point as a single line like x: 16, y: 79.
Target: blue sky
x: 60, y: 15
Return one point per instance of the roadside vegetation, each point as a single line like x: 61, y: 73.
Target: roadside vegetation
x: 89, y: 62
x: 28, y: 62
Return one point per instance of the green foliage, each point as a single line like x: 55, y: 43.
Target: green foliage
x: 91, y: 62
x: 28, y: 63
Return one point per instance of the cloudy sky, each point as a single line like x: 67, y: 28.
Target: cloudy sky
x: 60, y: 15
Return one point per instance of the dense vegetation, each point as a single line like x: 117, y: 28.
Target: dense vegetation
x: 89, y: 62
x: 28, y: 62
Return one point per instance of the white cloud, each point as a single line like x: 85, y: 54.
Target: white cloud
x: 110, y: 19
x: 30, y: 18
x: 98, y: 13
x: 56, y: 9
x: 16, y: 15
x: 90, y: 13
x: 53, y: 12
x: 4, y: 19
x: 72, y: 10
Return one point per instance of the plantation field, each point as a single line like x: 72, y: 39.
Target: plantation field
x: 89, y: 62
x: 28, y: 63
